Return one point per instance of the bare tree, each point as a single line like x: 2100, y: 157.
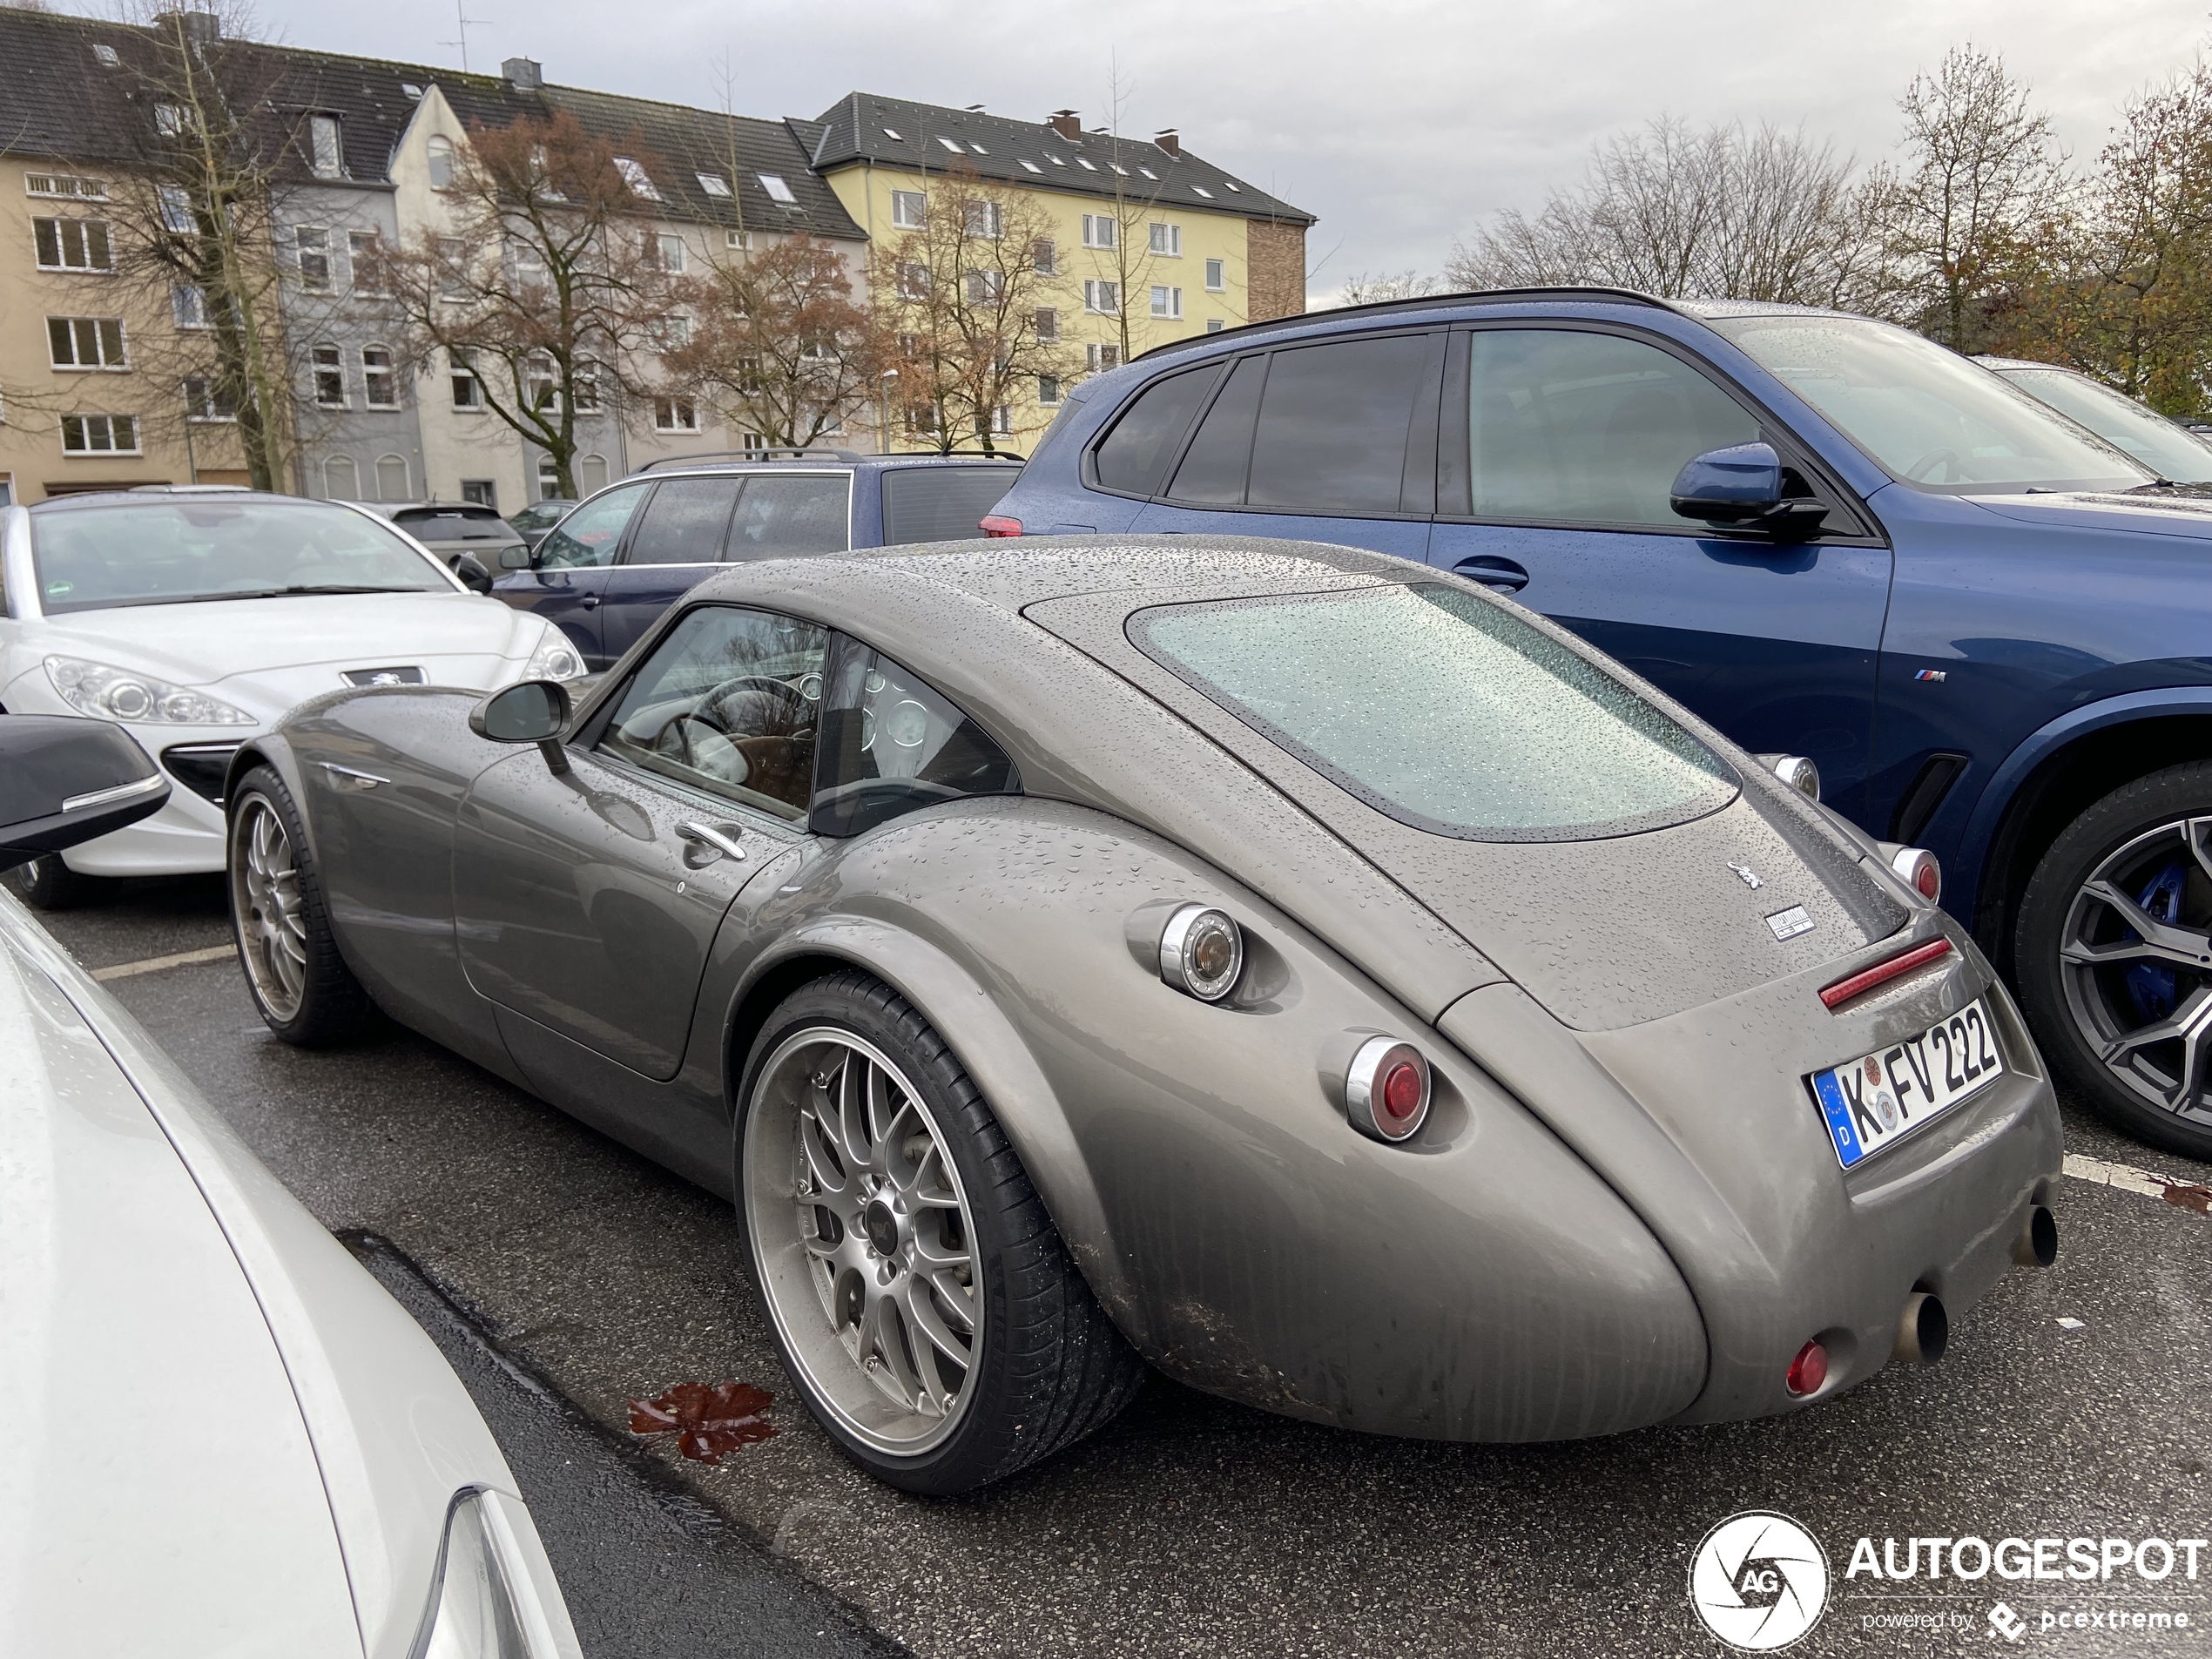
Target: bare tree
x: 1362, y: 289
x: 547, y: 285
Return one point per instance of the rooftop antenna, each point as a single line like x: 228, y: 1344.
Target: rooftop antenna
x: 461, y: 16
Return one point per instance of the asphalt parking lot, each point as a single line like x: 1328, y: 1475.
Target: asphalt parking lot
x: 2073, y: 1403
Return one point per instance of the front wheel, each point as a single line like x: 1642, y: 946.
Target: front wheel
x: 922, y: 1301
x: 46, y: 883
x: 2114, y: 957
x: 302, y: 988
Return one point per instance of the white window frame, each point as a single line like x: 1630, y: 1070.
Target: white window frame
x: 359, y: 251
x: 1167, y: 303
x: 1100, y: 231
x: 327, y: 366
x: 311, y: 243
x: 779, y: 191
x: 64, y: 187
x: 1050, y: 390
x: 84, y: 429
x: 407, y: 479
x: 741, y: 240
x: 188, y: 314
x: 333, y: 490
x: 909, y: 209
x: 1102, y: 357
x: 83, y: 228
x: 985, y: 286
x: 1216, y: 276
x: 671, y: 250
x: 675, y: 414
x: 640, y: 182
x: 984, y: 220
x: 384, y: 369
x: 1046, y: 321
x: 1102, y: 297
x: 439, y: 158
x: 325, y: 147
x: 105, y: 330
x: 1165, y: 239
x: 200, y: 409
x: 467, y: 390
x: 177, y: 217
x: 714, y: 184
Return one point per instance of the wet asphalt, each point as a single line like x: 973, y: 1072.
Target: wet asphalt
x: 564, y: 1275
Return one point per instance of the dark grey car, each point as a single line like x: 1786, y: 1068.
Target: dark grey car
x: 1305, y: 973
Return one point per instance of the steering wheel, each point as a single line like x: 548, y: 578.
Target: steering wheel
x: 700, y: 745
x: 783, y: 700
x: 1918, y: 470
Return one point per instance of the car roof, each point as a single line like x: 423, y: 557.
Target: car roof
x: 811, y: 461
x: 1990, y: 360
x: 139, y: 495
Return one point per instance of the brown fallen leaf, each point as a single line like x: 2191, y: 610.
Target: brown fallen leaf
x: 708, y: 1423
x: 2190, y: 1197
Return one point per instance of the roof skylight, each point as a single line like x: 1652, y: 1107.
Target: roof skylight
x: 1118, y: 168
x: 777, y: 189
x: 1033, y: 166
x: 635, y: 176
x: 714, y: 184
x: 1054, y: 160
x: 1147, y: 172
x: 977, y: 148
x: 410, y: 89
x: 949, y: 144
x: 1200, y: 189
x: 1084, y: 163
x: 1234, y: 186
x: 106, y: 55
x: 893, y: 132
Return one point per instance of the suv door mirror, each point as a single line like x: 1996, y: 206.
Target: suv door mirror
x: 65, y: 780
x: 531, y: 712
x: 470, y: 569
x: 516, y: 559
x: 1743, y: 485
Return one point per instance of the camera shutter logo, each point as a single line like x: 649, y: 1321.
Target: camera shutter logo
x: 1759, y: 1581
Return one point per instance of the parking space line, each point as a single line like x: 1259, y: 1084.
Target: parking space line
x: 155, y: 964
x: 2182, y: 1195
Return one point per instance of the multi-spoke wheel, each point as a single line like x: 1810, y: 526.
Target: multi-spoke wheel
x: 2115, y: 957
x: 304, y: 990
x: 46, y: 883
x: 922, y: 1302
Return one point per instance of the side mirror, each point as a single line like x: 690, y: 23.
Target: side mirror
x: 1743, y: 485
x: 515, y: 558
x: 65, y: 780
x: 531, y: 712
x: 470, y: 569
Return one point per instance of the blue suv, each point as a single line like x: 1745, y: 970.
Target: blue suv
x: 624, y: 555
x: 1990, y: 629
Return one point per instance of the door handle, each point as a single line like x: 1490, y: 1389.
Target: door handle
x: 714, y: 839
x: 1493, y: 572
x: 590, y: 602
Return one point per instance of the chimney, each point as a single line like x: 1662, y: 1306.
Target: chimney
x: 1170, y: 142
x: 523, y: 74
x: 1064, y: 123
x: 201, y: 29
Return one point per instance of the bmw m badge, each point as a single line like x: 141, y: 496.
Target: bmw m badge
x: 1788, y: 924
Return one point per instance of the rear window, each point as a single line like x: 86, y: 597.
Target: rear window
x: 452, y: 524
x: 1443, y: 711
x: 941, y: 503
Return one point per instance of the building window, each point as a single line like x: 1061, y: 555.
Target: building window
x: 675, y: 414
x: 341, y: 478
x: 671, y: 254
x: 1217, y: 275
x: 188, y: 306
x: 984, y: 287
x: 7, y: 490
x: 541, y: 380
x: 177, y: 215
x: 1003, y: 419
x: 1167, y: 240
x: 72, y: 244
x: 714, y: 184
x: 484, y: 492
x: 672, y: 334
x: 86, y: 342
x: 742, y: 240
x: 549, y: 479
x: 1214, y: 325
x: 1105, y: 298
x: 61, y: 183
x: 392, y: 482
x: 1045, y: 256
x: 1047, y: 388
x: 913, y: 280
x: 379, y: 384
x: 590, y: 473
x: 921, y: 417
x: 330, y: 378
x: 1048, y: 323
x: 322, y: 146
x: 635, y: 176
x: 452, y: 268
x: 1099, y: 231
x: 985, y: 220
x: 364, y: 266
x: 909, y: 209
x: 315, y: 258
x: 467, y: 393
x: 99, y: 434
x: 1167, y: 303
x: 439, y: 154
x: 529, y: 264
x: 171, y: 121
x: 779, y: 191
x: 1101, y: 358
x: 586, y: 390
x: 203, y: 401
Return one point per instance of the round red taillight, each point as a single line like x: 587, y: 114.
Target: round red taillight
x: 1402, y: 1090
x: 1809, y: 1370
x: 1917, y: 868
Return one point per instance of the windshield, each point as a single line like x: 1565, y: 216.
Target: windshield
x: 2167, y: 449
x: 1925, y: 415
x: 174, y: 551
x: 1443, y: 710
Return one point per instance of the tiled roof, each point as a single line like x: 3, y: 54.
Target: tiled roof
x: 897, y: 133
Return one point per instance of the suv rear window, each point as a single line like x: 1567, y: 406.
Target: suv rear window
x: 939, y: 503
x: 1443, y: 711
x: 452, y: 523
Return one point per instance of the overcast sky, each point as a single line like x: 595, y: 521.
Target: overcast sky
x: 1401, y: 123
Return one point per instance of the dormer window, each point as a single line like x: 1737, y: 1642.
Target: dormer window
x: 323, y: 153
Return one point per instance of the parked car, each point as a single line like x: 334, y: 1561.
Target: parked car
x: 1314, y: 976
x: 539, y: 516
x: 455, y: 531
x: 195, y: 618
x: 2169, y: 450
x: 1985, y: 625
x: 225, y: 1437
x: 631, y: 550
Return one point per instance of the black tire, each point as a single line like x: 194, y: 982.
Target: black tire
x: 325, y: 1003
x: 1051, y: 1369
x: 46, y: 883
x: 2074, y: 1009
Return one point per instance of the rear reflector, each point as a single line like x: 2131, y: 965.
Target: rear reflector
x: 994, y: 526
x: 1809, y: 1370
x: 1858, y: 984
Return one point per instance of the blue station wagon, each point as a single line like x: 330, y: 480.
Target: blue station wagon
x: 627, y: 553
x: 1991, y: 629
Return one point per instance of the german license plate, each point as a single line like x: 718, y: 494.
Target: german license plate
x: 1880, y: 1098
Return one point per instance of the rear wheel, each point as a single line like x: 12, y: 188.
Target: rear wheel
x: 305, y: 992
x: 2114, y: 957
x: 922, y: 1301
x: 46, y: 883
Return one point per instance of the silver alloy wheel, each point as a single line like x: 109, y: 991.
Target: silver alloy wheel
x: 265, y: 899
x: 2164, y: 1058
x: 864, y: 1239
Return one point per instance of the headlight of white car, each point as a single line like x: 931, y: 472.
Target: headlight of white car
x: 124, y: 694
x: 555, y: 659
x: 485, y: 1605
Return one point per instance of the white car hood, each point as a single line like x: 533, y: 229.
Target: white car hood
x: 160, y: 1485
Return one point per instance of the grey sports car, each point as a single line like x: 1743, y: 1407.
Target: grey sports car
x: 1297, y: 970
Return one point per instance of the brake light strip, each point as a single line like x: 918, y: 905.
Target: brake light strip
x: 1844, y: 989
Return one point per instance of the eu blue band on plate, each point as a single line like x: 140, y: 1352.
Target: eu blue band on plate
x: 1838, y: 1111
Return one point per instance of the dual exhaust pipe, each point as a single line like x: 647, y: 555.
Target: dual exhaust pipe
x: 1923, y: 1329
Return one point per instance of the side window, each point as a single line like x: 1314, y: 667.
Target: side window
x: 1333, y: 424
x: 1144, y: 439
x: 1571, y: 428
x: 726, y: 706
x: 801, y: 515
x: 1212, y: 473
x: 891, y: 745
x: 684, y: 522
x: 939, y: 503
x: 590, y: 536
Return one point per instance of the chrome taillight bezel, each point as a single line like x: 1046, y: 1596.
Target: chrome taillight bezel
x: 1178, y: 943
x: 1363, y: 1085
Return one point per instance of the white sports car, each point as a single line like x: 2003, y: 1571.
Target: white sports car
x: 195, y: 618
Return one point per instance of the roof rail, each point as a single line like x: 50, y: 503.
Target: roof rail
x: 1421, y: 302
x: 952, y: 455
x: 748, y: 455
